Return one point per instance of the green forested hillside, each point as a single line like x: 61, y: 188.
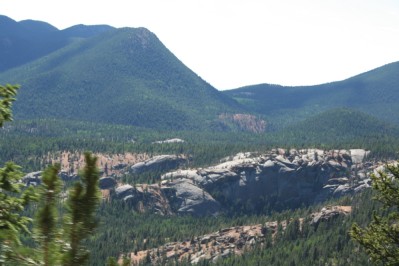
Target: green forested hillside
x: 343, y: 126
x: 374, y: 92
x: 123, y: 76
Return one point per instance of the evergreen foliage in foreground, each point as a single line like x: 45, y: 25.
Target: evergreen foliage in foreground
x: 7, y: 97
x: 58, y: 246
x: 12, y: 198
x: 381, y: 237
x: 12, y: 222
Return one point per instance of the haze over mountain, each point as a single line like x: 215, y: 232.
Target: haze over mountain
x: 27, y: 40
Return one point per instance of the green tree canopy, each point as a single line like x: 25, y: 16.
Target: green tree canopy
x: 12, y: 198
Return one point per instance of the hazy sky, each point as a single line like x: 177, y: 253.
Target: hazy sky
x: 232, y: 43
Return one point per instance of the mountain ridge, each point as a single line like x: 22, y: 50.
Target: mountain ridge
x: 373, y: 92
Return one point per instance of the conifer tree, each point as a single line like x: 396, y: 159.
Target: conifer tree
x: 381, y: 237
x: 80, y: 221
x: 12, y: 202
x: 47, y: 217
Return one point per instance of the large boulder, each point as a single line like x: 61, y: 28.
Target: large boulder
x: 190, y: 199
x: 328, y: 213
x: 124, y: 190
x: 358, y: 155
x: 107, y: 182
x: 144, y: 198
x: 158, y: 163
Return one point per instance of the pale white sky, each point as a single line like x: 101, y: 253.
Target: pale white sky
x: 233, y: 43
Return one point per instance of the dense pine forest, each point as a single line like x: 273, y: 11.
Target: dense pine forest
x: 121, y: 229
x: 328, y: 243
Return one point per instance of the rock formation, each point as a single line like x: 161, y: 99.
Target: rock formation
x: 251, y: 183
x: 281, y: 177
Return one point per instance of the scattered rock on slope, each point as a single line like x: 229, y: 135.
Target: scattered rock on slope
x: 225, y: 242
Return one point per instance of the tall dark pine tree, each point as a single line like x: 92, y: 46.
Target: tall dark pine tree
x: 47, y: 217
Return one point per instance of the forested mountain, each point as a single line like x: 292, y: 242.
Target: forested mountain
x: 374, y: 92
x: 27, y: 40
x: 127, y: 76
x: 124, y: 76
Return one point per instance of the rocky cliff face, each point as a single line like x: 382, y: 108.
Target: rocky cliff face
x: 250, y: 183
x: 280, y: 178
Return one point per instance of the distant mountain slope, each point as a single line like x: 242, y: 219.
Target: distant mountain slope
x: 124, y: 76
x: 27, y: 40
x: 375, y: 92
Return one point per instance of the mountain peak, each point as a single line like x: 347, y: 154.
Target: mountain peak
x: 23, y: 42
x: 5, y: 19
x: 37, y: 26
x: 86, y: 31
